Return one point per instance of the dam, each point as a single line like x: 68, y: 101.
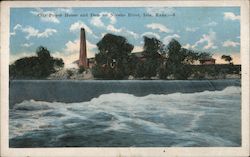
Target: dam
x: 79, y: 91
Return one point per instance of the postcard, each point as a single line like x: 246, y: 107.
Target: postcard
x: 123, y: 78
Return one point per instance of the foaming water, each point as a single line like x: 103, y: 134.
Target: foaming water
x: 209, y: 118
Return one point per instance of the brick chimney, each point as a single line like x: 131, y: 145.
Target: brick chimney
x: 83, y: 50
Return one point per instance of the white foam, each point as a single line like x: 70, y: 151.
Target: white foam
x: 176, y: 113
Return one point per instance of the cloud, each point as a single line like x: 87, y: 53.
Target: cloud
x: 27, y: 44
x: 98, y: 20
x: 32, y: 32
x: 187, y: 46
x: 229, y: 43
x: 122, y: 31
x: 231, y: 16
x: 67, y: 59
x: 17, y: 27
x: 211, y: 24
x: 160, y: 10
x: 74, y: 47
x: 14, y: 57
x: 113, y: 29
x: 151, y: 34
x: 133, y: 34
x: 45, y: 16
x: 207, y: 38
x: 159, y: 27
x: 192, y: 29
x: 168, y: 38
x: 48, y: 32
x: 110, y: 20
x: 137, y: 49
x: 75, y: 27
x: 71, y: 51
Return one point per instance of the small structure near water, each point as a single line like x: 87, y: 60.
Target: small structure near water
x: 207, y: 61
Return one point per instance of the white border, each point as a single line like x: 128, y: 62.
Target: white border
x: 126, y: 151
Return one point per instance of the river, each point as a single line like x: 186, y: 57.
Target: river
x: 122, y: 114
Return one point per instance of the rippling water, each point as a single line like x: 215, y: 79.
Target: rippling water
x: 209, y: 118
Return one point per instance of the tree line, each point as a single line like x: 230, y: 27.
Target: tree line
x: 35, y: 67
x: 115, y: 60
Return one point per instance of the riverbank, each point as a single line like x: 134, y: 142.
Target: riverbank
x: 199, y: 72
x: 84, y: 90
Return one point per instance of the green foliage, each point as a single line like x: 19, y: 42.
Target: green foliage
x: 139, y: 72
x: 132, y: 64
x: 151, y: 67
x: 190, y: 56
x: 115, y: 61
x: 214, y: 71
x: 112, y: 61
x: 227, y: 58
x: 204, y: 55
x: 178, y: 60
x: 81, y: 69
x: 153, y: 51
x: 147, y: 68
x: 58, y: 64
x: 69, y: 73
x: 174, y: 51
x: 35, y: 67
x: 98, y: 71
x: 153, y: 48
x: 42, y: 52
x: 163, y: 73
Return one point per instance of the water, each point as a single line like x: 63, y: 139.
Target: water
x: 200, y: 119
x: 80, y: 91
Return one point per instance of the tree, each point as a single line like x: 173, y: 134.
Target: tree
x: 113, y: 57
x: 179, y: 60
x: 204, y: 55
x: 190, y: 56
x: 176, y: 56
x: 43, y: 53
x: 227, y: 58
x: 153, y: 48
x: 35, y: 67
x: 153, y: 51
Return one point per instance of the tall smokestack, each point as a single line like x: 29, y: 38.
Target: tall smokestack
x: 83, y: 50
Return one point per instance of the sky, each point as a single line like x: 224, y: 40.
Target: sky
x: 210, y: 29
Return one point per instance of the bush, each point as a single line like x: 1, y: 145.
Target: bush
x: 69, y: 73
x: 139, y: 71
x: 163, y: 73
x: 99, y: 72
x: 35, y: 67
x: 81, y: 69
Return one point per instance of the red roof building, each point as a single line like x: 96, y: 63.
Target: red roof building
x: 207, y: 61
